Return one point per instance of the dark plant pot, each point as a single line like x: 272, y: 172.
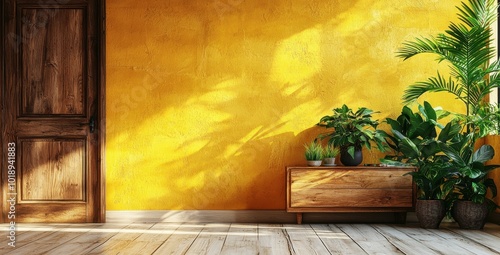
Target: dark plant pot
x: 470, y: 215
x: 347, y: 160
x: 430, y: 213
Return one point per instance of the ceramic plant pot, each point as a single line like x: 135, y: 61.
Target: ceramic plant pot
x: 430, y: 213
x: 314, y: 162
x: 470, y: 215
x: 347, y: 160
x: 329, y: 161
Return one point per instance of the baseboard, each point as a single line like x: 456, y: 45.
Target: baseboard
x: 248, y: 216
x: 198, y: 216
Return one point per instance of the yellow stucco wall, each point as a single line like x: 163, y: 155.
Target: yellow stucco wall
x: 495, y: 174
x: 209, y: 100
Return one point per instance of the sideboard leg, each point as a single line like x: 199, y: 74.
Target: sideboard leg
x: 400, y: 217
x: 299, y: 218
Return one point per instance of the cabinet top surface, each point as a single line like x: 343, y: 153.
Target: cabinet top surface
x: 350, y: 167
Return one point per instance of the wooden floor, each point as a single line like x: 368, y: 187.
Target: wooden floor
x: 240, y: 239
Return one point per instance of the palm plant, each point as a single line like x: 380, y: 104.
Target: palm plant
x: 466, y: 47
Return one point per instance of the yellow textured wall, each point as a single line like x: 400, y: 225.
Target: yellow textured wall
x: 209, y: 100
x: 495, y: 174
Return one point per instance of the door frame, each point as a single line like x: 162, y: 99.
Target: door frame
x: 100, y: 192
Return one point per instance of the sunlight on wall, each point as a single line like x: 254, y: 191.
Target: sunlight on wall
x: 209, y: 101
x: 297, y: 58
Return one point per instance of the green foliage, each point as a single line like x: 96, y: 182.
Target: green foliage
x: 485, y: 122
x: 434, y: 180
x: 472, y: 173
x: 415, y: 141
x: 414, y: 137
x: 466, y: 48
x: 314, y: 151
x: 352, y: 130
x: 330, y: 151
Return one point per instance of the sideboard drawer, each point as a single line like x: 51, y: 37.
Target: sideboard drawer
x: 349, y: 189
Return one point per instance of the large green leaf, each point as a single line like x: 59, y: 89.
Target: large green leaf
x: 449, y: 131
x: 483, y: 154
x: 453, y: 154
x: 406, y: 145
x: 491, y: 184
x: 394, y: 124
x: 474, y: 171
x: 431, y: 114
x: 479, y: 188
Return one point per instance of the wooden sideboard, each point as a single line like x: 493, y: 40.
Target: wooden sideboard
x: 349, y: 189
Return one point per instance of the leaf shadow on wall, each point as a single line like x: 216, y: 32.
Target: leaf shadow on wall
x: 226, y: 98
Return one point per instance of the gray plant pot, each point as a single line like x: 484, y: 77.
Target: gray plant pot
x: 470, y: 215
x: 314, y: 162
x: 430, y: 213
x: 329, y: 161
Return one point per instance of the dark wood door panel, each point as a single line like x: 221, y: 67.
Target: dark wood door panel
x: 55, y: 212
x: 54, y: 93
x: 52, y: 170
x: 52, y: 61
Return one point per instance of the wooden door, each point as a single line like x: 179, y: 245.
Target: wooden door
x: 53, y: 98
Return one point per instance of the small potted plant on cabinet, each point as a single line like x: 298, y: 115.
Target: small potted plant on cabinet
x: 314, y: 153
x: 352, y: 130
x: 329, y: 154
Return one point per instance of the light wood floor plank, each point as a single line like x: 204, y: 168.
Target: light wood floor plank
x: 118, y: 242
x: 273, y: 239
x: 336, y: 241
x: 460, y: 242
x: 94, y: 238
x: 149, y: 241
x: 159, y: 231
x: 210, y: 240
x: 27, y: 233
x: 369, y: 239
x: 403, y: 242
x: 180, y: 240
x: 85, y: 242
x: 241, y: 240
x: 304, y: 240
x: 26, y: 239
x: 60, y: 235
x: 434, y: 242
x: 489, y: 241
x: 492, y: 229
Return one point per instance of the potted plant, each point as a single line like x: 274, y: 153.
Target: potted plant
x: 471, y: 205
x: 416, y: 143
x: 314, y: 153
x: 329, y: 154
x: 435, y: 182
x: 419, y: 125
x: 466, y: 48
x: 352, y: 130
